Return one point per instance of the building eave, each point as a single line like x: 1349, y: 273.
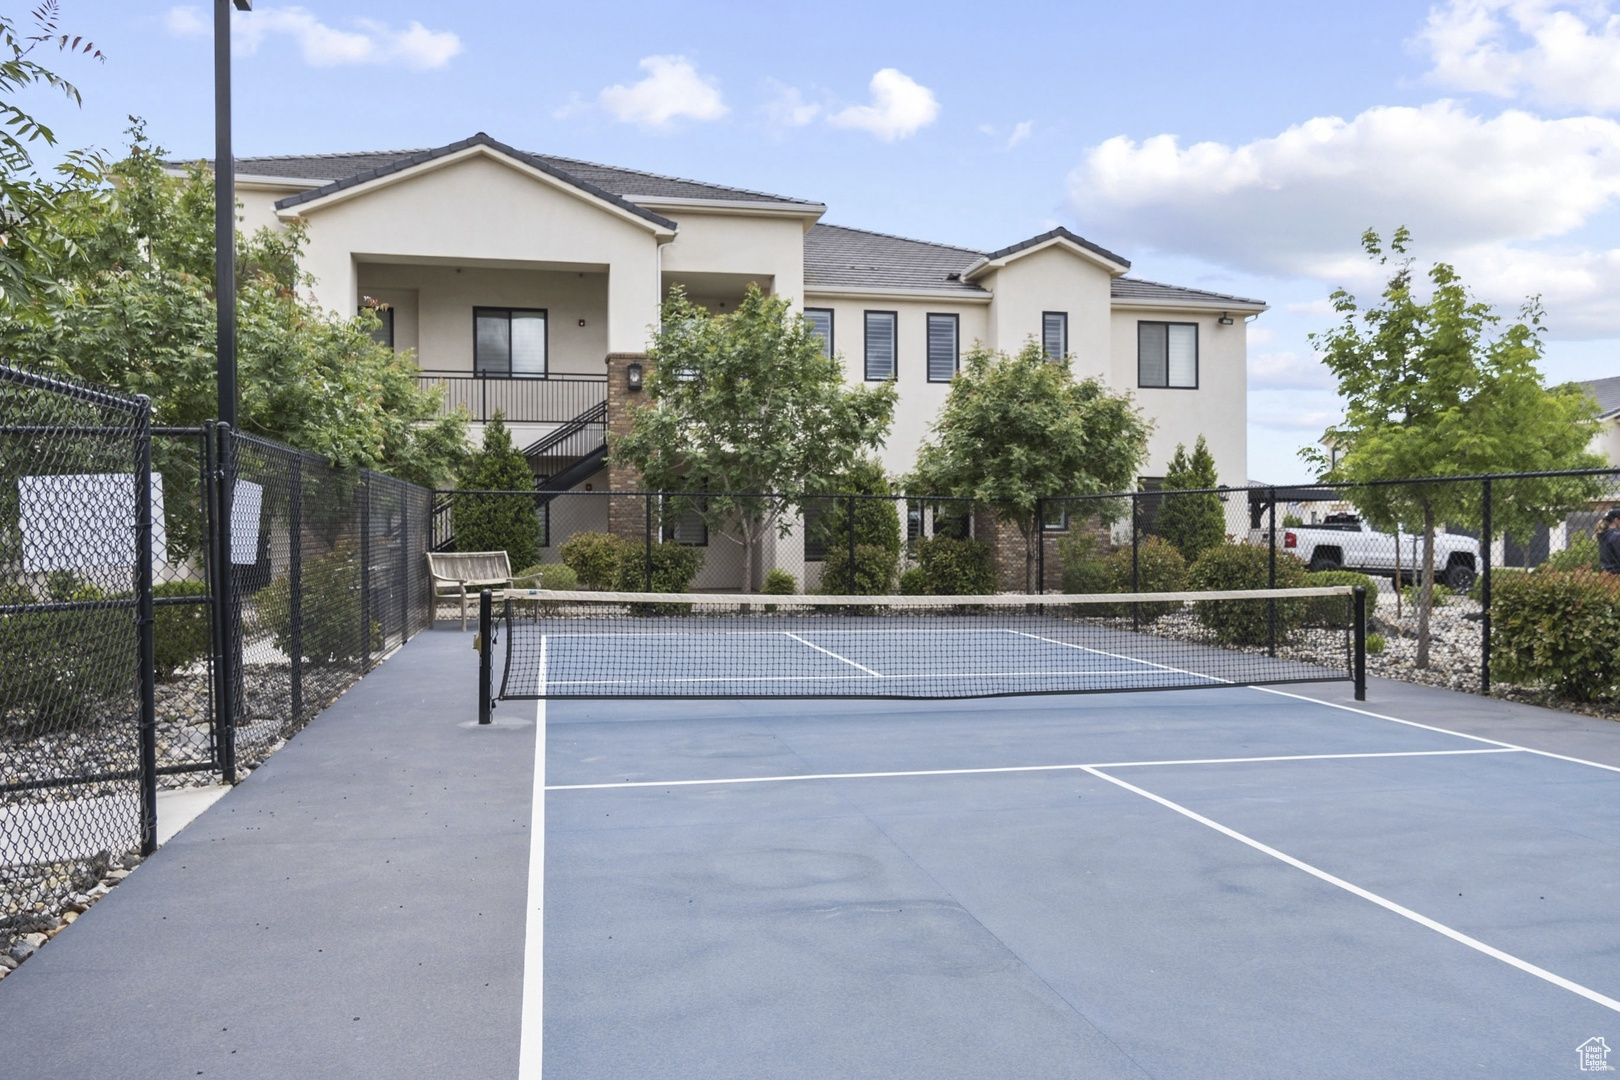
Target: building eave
x: 1244, y: 307
x: 954, y: 296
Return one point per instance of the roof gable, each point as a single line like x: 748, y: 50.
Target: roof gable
x: 1607, y: 392
x: 1058, y: 237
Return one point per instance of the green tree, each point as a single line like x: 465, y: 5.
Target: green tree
x: 1192, y: 523
x: 747, y: 408
x: 131, y: 306
x: 876, y: 530
x: 1434, y: 387
x: 506, y: 523
x: 1019, y: 429
x: 27, y: 197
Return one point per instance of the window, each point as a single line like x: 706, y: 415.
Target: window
x: 688, y: 529
x: 1055, y: 334
x: 880, y: 345
x: 1055, y: 516
x: 821, y: 324
x: 384, y: 334
x: 1167, y: 355
x: 815, y: 534
x: 509, y: 343
x: 942, y: 347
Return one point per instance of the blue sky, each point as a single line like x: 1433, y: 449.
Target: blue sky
x: 1239, y: 147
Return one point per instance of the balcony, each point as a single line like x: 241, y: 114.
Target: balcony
x: 552, y: 399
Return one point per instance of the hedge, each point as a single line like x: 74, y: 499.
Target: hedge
x: 1246, y: 566
x: 1558, y: 630
x: 950, y: 567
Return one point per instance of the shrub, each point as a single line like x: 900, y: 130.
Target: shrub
x: 1193, y: 523
x: 330, y: 615
x: 1088, y: 569
x: 1582, y: 554
x: 594, y: 557
x: 914, y: 582
x: 1375, y: 644
x: 877, y: 521
x: 1334, y: 611
x: 555, y: 576
x: 952, y: 567
x: 509, y: 523
x: 1558, y: 630
x: 1245, y: 566
x: 1085, y: 567
x: 875, y: 567
x: 1292, y: 521
x: 673, y: 567
x: 65, y: 668
x: 780, y: 583
x: 180, y: 630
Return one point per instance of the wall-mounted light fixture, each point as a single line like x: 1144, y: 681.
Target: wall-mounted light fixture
x: 1225, y: 319
x: 632, y: 377
x: 582, y: 322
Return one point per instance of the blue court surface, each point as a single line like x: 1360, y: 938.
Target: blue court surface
x: 1225, y: 882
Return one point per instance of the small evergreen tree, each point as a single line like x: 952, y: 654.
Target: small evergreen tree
x: 1193, y: 523
x: 506, y: 523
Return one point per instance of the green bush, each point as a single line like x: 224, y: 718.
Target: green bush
x: 1582, y: 554
x: 66, y: 668
x: 952, y: 567
x: 875, y: 568
x: 1292, y: 521
x: 914, y: 582
x: 180, y: 630
x: 1159, y: 568
x: 877, y: 521
x: 594, y: 557
x: 1085, y: 564
x: 779, y: 582
x: 557, y: 577
x: 673, y: 567
x: 331, y: 616
x: 1245, y: 566
x: 509, y: 523
x: 1334, y: 612
x: 1558, y: 630
x: 1375, y: 644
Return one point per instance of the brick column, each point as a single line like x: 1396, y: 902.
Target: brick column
x: 627, y: 516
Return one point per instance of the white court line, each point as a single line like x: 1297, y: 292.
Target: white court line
x: 1441, y: 730
x: 534, y: 940
x: 1016, y: 769
x: 1118, y: 656
x: 835, y: 656
x: 1356, y: 890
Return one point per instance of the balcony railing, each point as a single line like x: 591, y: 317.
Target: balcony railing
x: 555, y: 399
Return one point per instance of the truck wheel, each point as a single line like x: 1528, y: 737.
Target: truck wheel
x: 1322, y: 562
x: 1459, y: 577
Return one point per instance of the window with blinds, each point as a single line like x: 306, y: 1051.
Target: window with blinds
x: 880, y: 345
x: 688, y: 529
x: 821, y: 324
x: 1055, y: 334
x: 1167, y: 355
x: 509, y: 342
x: 942, y: 347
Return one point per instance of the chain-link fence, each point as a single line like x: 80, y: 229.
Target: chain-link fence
x: 174, y: 603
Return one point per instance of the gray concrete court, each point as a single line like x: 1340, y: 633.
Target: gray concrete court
x: 1047, y: 923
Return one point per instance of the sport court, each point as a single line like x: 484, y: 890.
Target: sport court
x: 1224, y: 882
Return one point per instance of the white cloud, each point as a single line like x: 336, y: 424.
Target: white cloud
x: 900, y: 108
x: 787, y: 108
x: 1554, y: 53
x: 370, y: 42
x: 673, y: 90
x: 1286, y: 371
x: 1295, y: 203
x: 1020, y: 132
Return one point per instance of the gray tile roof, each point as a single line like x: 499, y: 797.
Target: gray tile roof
x: 1053, y: 234
x: 1125, y: 288
x: 840, y: 258
x: 621, y: 182
x: 1607, y: 392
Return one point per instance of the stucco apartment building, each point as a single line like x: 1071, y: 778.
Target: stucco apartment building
x: 529, y: 283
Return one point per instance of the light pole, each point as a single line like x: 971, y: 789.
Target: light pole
x: 225, y: 212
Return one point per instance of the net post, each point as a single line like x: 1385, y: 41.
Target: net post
x: 486, y: 624
x: 1359, y: 660
x: 1136, y: 518
x: 1485, y: 589
x: 1271, y: 576
x: 146, y: 629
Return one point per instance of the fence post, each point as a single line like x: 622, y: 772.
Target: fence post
x: 295, y: 587
x: 227, y: 707
x: 853, y: 588
x: 1271, y: 576
x: 1136, y: 519
x: 1485, y: 545
x: 1040, y: 545
x: 365, y: 570
x: 647, y: 543
x: 145, y: 629
x: 486, y: 626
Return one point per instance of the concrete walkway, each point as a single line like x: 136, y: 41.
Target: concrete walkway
x: 354, y: 908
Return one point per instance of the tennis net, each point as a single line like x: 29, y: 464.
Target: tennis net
x: 665, y: 645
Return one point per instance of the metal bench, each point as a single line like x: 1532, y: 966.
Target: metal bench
x: 454, y: 571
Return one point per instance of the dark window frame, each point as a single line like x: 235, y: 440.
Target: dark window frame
x: 1198, y: 364
x: 956, y: 343
x: 545, y: 316
x: 1064, y: 315
x: 667, y: 529
x: 832, y: 326
x: 384, y: 334
x: 1061, y: 524
x: 866, y: 345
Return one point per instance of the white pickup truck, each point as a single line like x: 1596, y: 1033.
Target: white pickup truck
x: 1343, y: 542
